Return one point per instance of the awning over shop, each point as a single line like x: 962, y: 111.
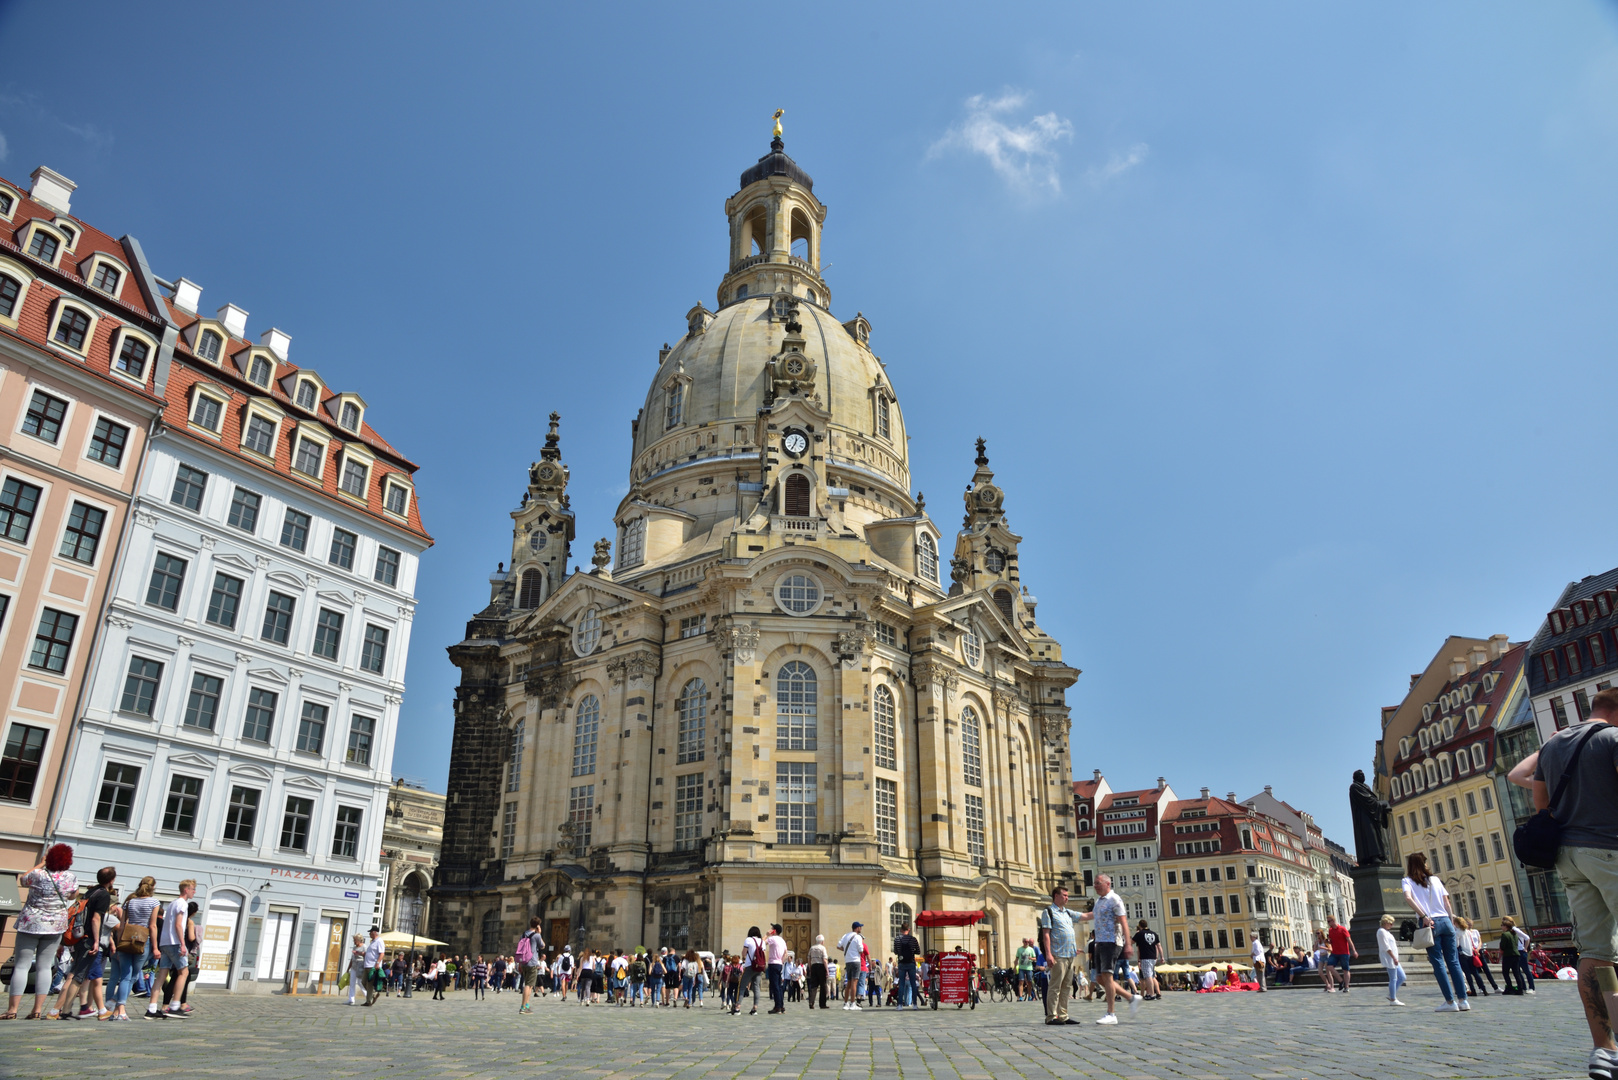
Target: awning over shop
x: 948, y: 918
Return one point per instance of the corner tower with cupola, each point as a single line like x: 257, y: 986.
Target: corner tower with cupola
x: 769, y: 707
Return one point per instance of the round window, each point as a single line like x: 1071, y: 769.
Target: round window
x: 972, y: 646
x: 798, y: 594
x: 587, y: 635
x: 994, y: 561
x: 536, y: 540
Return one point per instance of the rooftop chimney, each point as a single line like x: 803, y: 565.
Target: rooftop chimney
x: 52, y: 189
x: 186, y: 295
x: 1231, y: 795
x: 1268, y: 791
x: 235, y: 320
x: 1162, y: 782
x: 1480, y: 656
x: 1204, y: 793
x: 1498, y: 644
x: 1098, y: 774
x: 1457, y: 666
x: 276, y: 341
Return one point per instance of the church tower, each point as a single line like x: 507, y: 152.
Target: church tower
x: 770, y: 707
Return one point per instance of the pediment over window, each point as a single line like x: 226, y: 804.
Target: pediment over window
x: 333, y: 597
x: 291, y: 581
x: 235, y: 562
x: 304, y: 783
x: 268, y: 675
x: 191, y: 761
x: 251, y: 772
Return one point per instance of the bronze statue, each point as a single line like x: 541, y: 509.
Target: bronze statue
x: 1370, y: 822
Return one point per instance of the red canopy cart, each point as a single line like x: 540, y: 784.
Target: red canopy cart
x: 949, y: 974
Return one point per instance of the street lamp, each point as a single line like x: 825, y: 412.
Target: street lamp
x: 415, y: 904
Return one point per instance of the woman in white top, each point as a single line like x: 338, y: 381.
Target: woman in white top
x: 1425, y: 893
x: 1387, y: 950
x: 1467, y: 945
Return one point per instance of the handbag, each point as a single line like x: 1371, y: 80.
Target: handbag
x: 130, y: 937
x: 1538, y: 839
x: 1423, y: 938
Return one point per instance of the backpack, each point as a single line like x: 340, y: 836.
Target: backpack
x: 77, y: 917
x: 525, y: 949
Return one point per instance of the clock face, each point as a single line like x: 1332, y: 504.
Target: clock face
x: 795, y: 443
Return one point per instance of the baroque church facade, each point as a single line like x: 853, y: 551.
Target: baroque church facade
x: 771, y: 707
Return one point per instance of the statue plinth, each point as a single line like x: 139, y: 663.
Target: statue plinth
x: 1377, y: 892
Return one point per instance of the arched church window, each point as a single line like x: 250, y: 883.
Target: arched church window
x: 632, y: 548
x: 927, y: 559
x: 796, y: 710
x: 587, y: 635
x: 898, y: 919
x: 693, y: 707
x: 882, y: 420
x: 674, y: 410
x: 493, y: 940
x: 972, y: 647
x: 802, y: 235
x: 971, y: 748
x: 531, y: 590
x: 741, y: 292
x: 586, y: 730
x: 1002, y: 600
x: 797, y: 495
x: 882, y: 713
x: 514, y: 766
x: 813, y: 299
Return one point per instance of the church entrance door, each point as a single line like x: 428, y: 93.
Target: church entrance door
x: 798, y: 938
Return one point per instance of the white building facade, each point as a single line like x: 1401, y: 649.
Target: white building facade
x: 240, y: 720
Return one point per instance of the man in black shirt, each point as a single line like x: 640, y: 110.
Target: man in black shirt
x: 1149, y: 947
x: 86, y: 982
x: 907, y: 948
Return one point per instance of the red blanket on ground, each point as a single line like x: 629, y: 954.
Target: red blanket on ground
x: 1224, y: 988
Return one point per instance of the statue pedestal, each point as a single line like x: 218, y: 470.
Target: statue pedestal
x: 1377, y: 892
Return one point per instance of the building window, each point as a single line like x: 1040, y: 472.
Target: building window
x: 632, y: 548
x: 18, y: 502
x: 374, y: 653
x: 387, y: 566
x: 587, y: 635
x: 508, y: 831
x: 19, y: 766
x: 674, y: 925
x: 205, y: 412
x: 530, y: 589
x: 202, y: 707
x: 887, y: 817
x: 360, y: 731
x: 1581, y: 702
x: 10, y: 289
x: 1174, y: 908
x: 796, y: 708
x: 795, y: 802
x: 241, y: 817
x: 107, y: 443
x: 189, y: 485
x: 354, y: 478
x: 180, y: 812
x: 117, y: 797
x: 83, y: 533
x: 586, y: 730
x: 72, y: 328
x: 260, y: 436
x: 882, y: 417
x: 687, y: 812
x: 693, y: 626
x: 343, y: 543
x: 208, y: 346
x: 993, y: 561
x: 1494, y: 906
x: 350, y: 418
x: 581, y: 803
x: 1571, y: 651
x: 882, y: 715
x: 244, y: 506
x: 797, y: 502
x: 1511, y: 904
x: 971, y: 748
x: 972, y: 647
x: 798, y: 594
x: 345, y: 838
x: 396, y: 499
x: 312, y: 728
x: 106, y: 279
x: 140, y: 686
x: 168, y: 576
x: 693, y: 707
x: 258, y: 371
x: 927, y: 559
x: 974, y: 829
x: 1179, y: 942
x: 310, y: 455
x: 1499, y: 849
x: 1598, y: 652
x: 306, y: 395
x: 514, y: 766
x: 43, y: 246
x: 260, y: 715
x: 898, y: 919
x: 295, y: 530
x: 675, y: 408
x: 52, y: 640
x: 278, y: 618
x: 886, y: 635
x: 44, y: 417
x: 1547, y: 661
x: 132, y: 357
x: 295, y: 823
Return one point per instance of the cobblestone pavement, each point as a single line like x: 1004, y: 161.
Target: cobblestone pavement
x: 1291, y: 1034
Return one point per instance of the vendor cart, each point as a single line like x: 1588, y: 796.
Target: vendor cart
x: 949, y: 974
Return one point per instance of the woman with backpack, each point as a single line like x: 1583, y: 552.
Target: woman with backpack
x: 752, y: 968
x: 40, y: 925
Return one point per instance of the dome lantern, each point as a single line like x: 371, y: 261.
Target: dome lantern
x: 775, y: 226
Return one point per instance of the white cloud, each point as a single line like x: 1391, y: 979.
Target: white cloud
x: 1024, y: 154
x: 1117, y: 165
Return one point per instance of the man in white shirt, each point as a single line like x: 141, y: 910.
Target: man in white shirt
x: 372, y: 961
x: 1257, y: 953
x: 172, y: 952
x: 1112, y: 944
x: 775, y: 955
x: 852, y: 944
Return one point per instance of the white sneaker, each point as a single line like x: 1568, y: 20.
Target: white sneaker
x: 845, y: 1006
x: 1395, y: 1001
x: 1603, y: 1063
x: 1448, y: 1006
x: 855, y: 1008
x: 1134, y: 1005
x: 1465, y: 1006
x: 1530, y: 991
x: 1107, y: 1019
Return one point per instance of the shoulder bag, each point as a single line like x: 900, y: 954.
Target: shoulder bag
x: 1538, y: 839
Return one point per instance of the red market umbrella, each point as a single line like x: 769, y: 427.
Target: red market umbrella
x: 948, y: 918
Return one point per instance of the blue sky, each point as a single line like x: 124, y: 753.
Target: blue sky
x: 1285, y: 324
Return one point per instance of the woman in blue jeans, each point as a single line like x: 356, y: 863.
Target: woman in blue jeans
x: 1427, y: 895
x: 140, y: 910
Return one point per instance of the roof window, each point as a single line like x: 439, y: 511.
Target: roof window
x: 306, y: 395
x: 72, y: 327
x: 258, y: 371
x: 44, y: 246
x: 350, y: 418
x: 106, y: 279
x: 208, y: 346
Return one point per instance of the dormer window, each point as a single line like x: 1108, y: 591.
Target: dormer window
x: 132, y: 357
x: 258, y: 371
x: 310, y: 454
x: 674, y: 411
x: 206, y: 411
x: 350, y: 419
x: 72, y: 327
x: 260, y: 436
x: 208, y: 346
x: 10, y: 289
x: 397, y: 498
x: 882, y: 421
x: 106, y: 279
x: 69, y: 232
x: 44, y: 246
x: 354, y: 478
x: 6, y: 203
x: 306, y: 395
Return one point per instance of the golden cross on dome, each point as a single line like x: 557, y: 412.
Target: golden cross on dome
x: 778, y: 114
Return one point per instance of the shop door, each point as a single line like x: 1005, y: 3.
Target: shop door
x: 219, y: 939
x: 983, y: 950
x: 336, y: 947
x: 558, y: 935
x: 275, y: 950
x: 798, y: 938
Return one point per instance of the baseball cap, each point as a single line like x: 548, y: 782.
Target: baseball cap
x: 858, y: 924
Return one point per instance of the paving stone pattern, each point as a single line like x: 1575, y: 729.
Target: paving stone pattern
x: 1290, y: 1034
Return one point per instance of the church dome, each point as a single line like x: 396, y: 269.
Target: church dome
x: 776, y: 163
